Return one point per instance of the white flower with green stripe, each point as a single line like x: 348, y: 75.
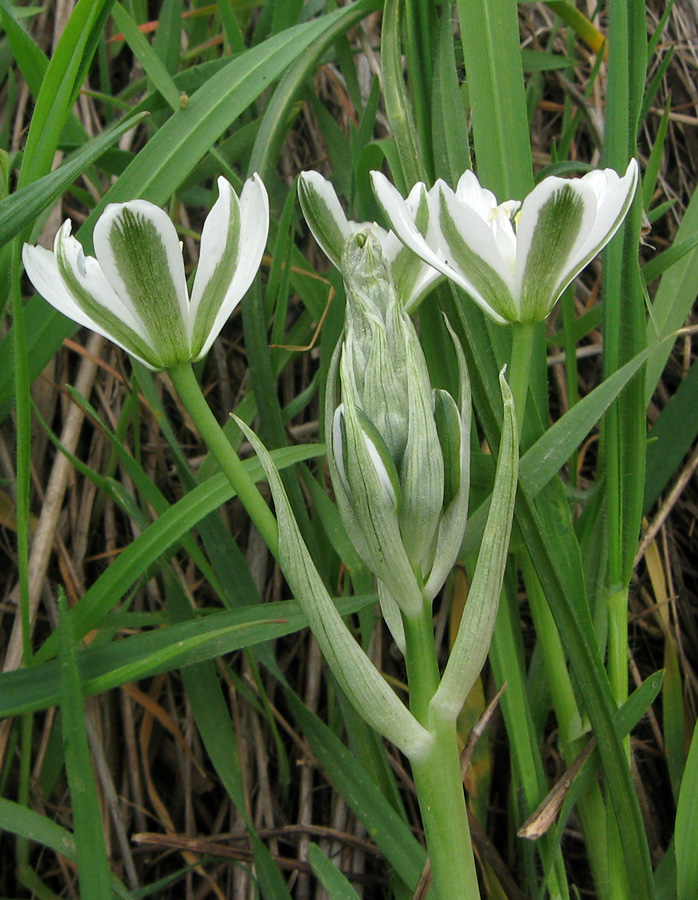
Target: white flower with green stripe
x: 135, y: 291
x: 330, y: 227
x: 514, y: 259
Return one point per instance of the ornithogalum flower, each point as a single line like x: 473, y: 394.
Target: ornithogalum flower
x: 135, y: 291
x: 326, y: 219
x: 514, y: 259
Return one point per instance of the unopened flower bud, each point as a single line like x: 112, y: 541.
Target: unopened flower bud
x: 397, y: 449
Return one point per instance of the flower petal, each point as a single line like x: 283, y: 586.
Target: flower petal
x: 324, y: 215
x: 413, y: 277
x: 470, y: 192
x: 556, y: 218
x: 138, y: 250
x: 613, y: 196
x: 401, y: 220
x: 75, y: 286
x: 42, y: 269
x: 474, y: 259
x: 232, y: 245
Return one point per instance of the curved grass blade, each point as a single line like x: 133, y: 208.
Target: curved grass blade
x: 150, y: 545
x: 334, y: 882
x: 550, y: 452
x: 20, y: 208
x: 59, y: 87
x: 687, y: 828
x: 18, y: 819
x: 160, y: 650
x: 397, y: 105
x: 146, y: 55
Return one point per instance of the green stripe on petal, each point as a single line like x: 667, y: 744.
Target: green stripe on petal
x: 138, y: 250
x: 560, y: 224
x: 108, y: 320
x: 485, y: 284
x: 224, y: 248
x: 324, y: 214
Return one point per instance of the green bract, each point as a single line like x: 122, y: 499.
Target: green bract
x: 330, y: 227
x: 357, y: 675
x: 135, y: 292
x: 398, y: 450
x: 513, y: 259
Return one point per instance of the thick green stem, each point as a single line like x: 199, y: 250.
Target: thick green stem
x: 520, y: 368
x: 437, y: 775
x: 188, y: 388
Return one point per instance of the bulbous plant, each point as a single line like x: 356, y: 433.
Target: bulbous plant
x: 398, y: 453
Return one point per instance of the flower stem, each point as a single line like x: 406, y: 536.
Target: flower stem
x: 520, y: 367
x: 437, y: 774
x: 188, y: 388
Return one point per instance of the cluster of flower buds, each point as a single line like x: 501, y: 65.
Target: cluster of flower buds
x: 398, y: 450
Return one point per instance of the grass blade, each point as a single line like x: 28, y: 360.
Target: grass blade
x: 687, y: 828
x: 93, y: 867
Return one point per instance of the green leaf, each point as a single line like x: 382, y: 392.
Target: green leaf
x: 543, y: 61
x: 397, y: 106
x: 450, y: 138
x: 59, y: 87
x: 160, y: 650
x: 548, y: 549
x: 146, y: 55
x: 687, y: 828
x: 551, y: 451
x: 19, y: 209
x: 674, y: 298
x: 490, y: 35
x: 671, y: 437
x: 91, y: 855
x: 627, y: 717
x: 152, y: 543
x: 329, y: 876
x: 19, y: 820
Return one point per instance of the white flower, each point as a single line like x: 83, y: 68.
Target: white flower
x: 330, y: 227
x: 514, y: 262
x: 135, y: 291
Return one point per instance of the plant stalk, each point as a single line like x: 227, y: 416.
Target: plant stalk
x: 188, y: 388
x: 437, y: 776
x: 520, y: 368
